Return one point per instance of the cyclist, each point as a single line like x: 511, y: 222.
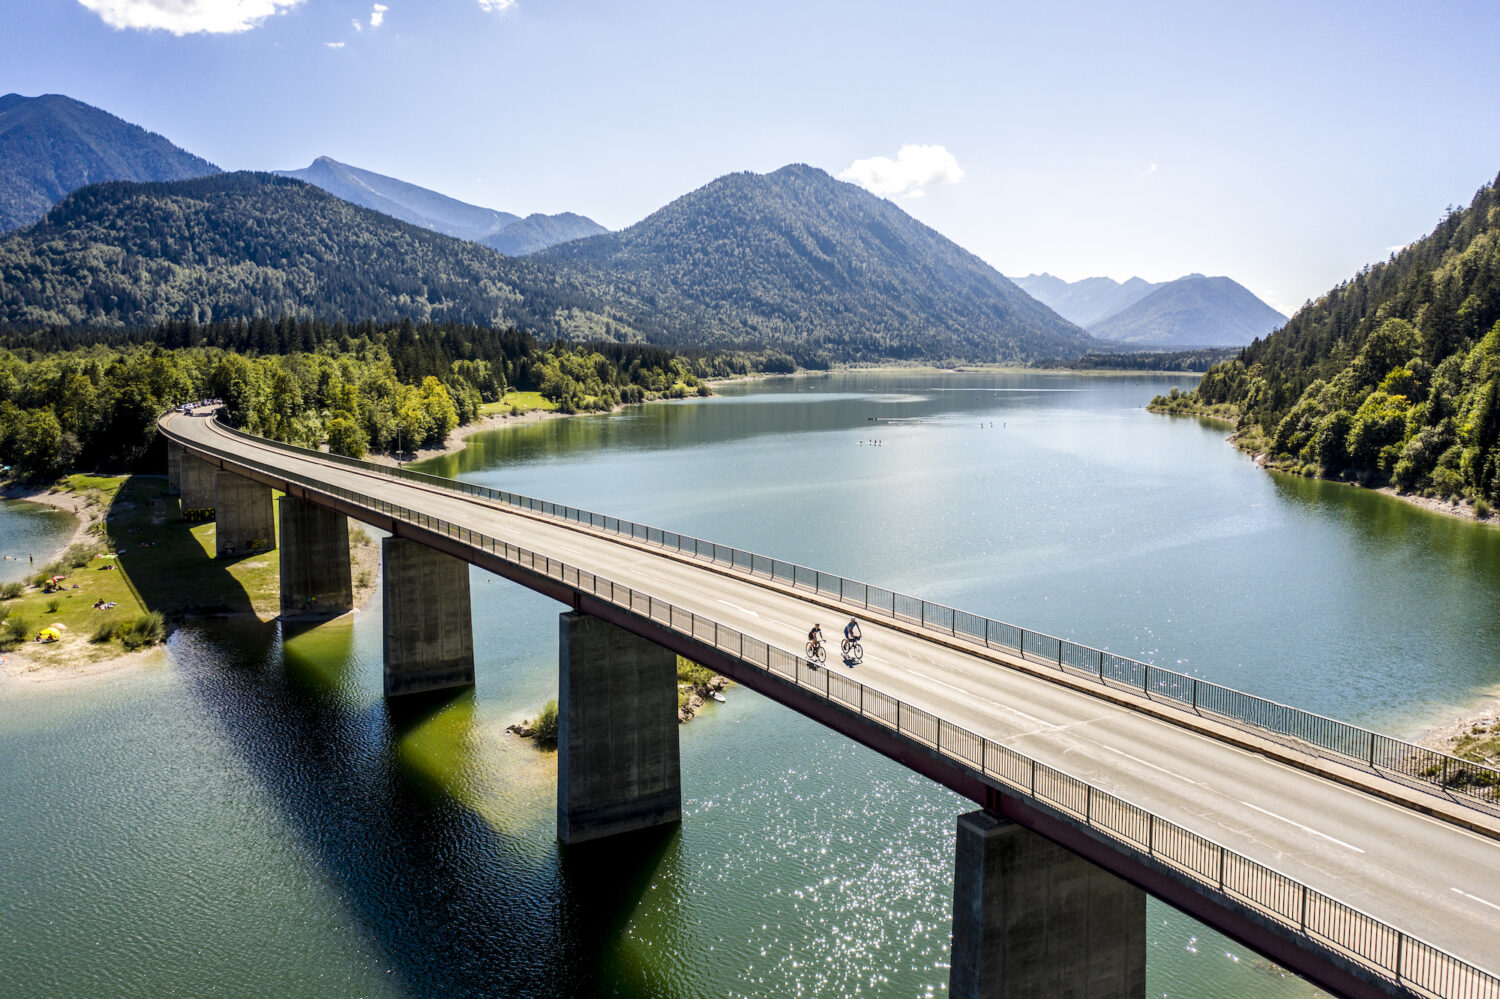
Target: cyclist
x: 815, y: 637
x: 852, y: 633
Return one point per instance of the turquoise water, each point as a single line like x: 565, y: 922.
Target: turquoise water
x: 251, y: 819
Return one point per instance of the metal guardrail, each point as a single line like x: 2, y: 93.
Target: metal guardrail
x: 1320, y: 919
x: 1395, y: 758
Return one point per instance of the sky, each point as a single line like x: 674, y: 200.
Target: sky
x: 1285, y: 145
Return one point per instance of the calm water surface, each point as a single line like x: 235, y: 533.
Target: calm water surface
x: 250, y: 819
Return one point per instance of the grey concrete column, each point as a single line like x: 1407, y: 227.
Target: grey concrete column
x: 1033, y: 919
x: 246, y: 519
x: 316, y: 577
x: 429, y: 633
x: 199, y: 482
x: 174, y: 469
x: 618, y: 768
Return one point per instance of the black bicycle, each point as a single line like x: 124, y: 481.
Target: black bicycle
x: 853, y: 651
x: 816, y: 654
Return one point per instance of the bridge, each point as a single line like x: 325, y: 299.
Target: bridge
x: 1369, y: 866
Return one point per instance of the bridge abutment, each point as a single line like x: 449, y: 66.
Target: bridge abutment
x: 199, y: 487
x: 316, y: 575
x: 174, y: 469
x: 429, y: 633
x: 1031, y: 918
x: 245, y: 516
x: 618, y: 768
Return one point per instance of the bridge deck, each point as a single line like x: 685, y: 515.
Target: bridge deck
x: 1426, y: 876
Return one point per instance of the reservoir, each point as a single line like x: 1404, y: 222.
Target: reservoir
x: 247, y: 817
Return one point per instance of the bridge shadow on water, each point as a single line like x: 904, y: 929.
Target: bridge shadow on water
x: 454, y: 906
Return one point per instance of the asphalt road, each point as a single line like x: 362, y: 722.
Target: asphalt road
x: 1425, y: 876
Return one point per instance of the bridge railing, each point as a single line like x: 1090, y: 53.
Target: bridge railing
x: 1256, y: 889
x: 1398, y: 759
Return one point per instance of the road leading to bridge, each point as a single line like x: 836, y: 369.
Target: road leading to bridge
x: 1428, y: 877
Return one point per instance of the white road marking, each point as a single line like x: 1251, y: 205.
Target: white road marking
x: 1476, y: 898
x: 1310, y: 829
x: 742, y: 610
x: 1153, y: 766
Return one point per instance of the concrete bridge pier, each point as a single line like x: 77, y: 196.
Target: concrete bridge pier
x: 316, y: 577
x: 199, y: 485
x: 174, y: 469
x: 429, y: 633
x: 618, y: 768
x: 246, y: 519
x: 1031, y: 918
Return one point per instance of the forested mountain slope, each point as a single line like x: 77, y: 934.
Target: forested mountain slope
x: 795, y: 262
x: 1392, y: 376
x: 798, y: 260
x: 51, y: 145
x: 1192, y: 311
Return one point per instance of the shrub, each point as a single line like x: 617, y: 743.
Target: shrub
x: 143, y: 629
x: 52, y: 605
x: 1482, y: 507
x: 690, y: 672
x: 546, y: 724
x: 10, y: 591
x: 79, y: 555
x: 105, y: 631
x: 17, y: 630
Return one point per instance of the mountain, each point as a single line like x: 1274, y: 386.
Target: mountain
x: 403, y: 201
x: 1391, y: 377
x: 51, y: 145
x: 1193, y: 311
x: 538, y: 231
x: 1087, y: 301
x: 792, y: 260
x: 243, y: 245
x: 505, y: 232
x: 801, y: 261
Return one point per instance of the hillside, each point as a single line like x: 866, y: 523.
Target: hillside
x: 503, y: 231
x: 795, y: 262
x: 1393, y: 376
x: 1193, y: 311
x: 246, y: 245
x: 1087, y: 301
x: 798, y: 260
x: 51, y: 145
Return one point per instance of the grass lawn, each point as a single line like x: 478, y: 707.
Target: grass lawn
x: 162, y: 564
x: 525, y: 401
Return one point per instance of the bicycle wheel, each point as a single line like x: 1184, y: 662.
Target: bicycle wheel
x: 856, y: 651
x: 815, y: 653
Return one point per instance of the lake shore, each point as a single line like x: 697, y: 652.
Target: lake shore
x: 107, y: 511
x: 1462, y: 509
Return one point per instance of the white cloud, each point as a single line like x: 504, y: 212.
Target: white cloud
x: 913, y: 169
x: 496, y: 5
x: 334, y: 45
x: 358, y: 24
x: 377, y: 15
x: 1151, y: 168
x: 188, y: 17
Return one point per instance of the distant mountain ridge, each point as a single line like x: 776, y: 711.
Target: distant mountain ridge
x: 793, y: 260
x: 1087, y: 301
x: 798, y: 260
x: 408, y: 202
x: 51, y: 145
x: 1193, y: 311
